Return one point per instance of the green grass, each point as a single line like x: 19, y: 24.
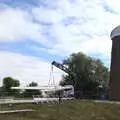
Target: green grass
x: 73, y: 110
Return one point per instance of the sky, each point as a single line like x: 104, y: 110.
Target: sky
x: 33, y: 33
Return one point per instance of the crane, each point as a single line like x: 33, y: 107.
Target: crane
x: 77, y: 93
x: 65, y: 69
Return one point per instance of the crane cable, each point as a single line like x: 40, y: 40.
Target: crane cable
x: 51, y: 79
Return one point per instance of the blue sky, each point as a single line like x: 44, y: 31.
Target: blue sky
x: 35, y: 32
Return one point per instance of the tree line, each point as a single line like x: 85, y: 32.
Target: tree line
x: 90, y: 78
x: 9, y: 82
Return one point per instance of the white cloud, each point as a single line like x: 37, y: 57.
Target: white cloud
x: 17, y: 25
x: 27, y: 69
x: 88, y: 31
x: 73, y: 26
x: 114, y: 5
x: 47, y: 15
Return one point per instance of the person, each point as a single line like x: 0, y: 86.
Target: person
x: 60, y: 94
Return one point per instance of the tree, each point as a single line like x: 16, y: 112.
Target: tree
x: 9, y: 82
x: 29, y: 93
x: 33, y: 84
x: 88, y: 74
x: 1, y: 91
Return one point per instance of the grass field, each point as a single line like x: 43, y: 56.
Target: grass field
x: 73, y: 110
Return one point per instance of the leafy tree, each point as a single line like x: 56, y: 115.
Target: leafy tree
x: 29, y: 93
x: 9, y: 82
x: 1, y: 91
x: 33, y: 84
x: 87, y: 75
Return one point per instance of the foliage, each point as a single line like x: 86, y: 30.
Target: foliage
x: 9, y: 82
x: 33, y: 84
x: 87, y: 75
x: 1, y: 91
x: 29, y: 93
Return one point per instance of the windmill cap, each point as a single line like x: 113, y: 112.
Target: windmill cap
x: 115, y: 32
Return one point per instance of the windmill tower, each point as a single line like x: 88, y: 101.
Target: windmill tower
x: 115, y: 65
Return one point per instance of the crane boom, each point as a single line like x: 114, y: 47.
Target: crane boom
x: 65, y: 69
x: 62, y: 67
